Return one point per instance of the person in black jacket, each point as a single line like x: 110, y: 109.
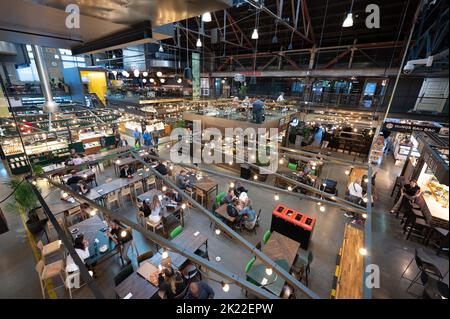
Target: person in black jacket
x: 171, y: 282
x: 126, y: 172
x: 161, y: 168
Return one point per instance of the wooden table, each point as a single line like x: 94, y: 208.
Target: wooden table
x: 356, y: 175
x: 186, y: 240
x: 280, y: 247
x: 435, y: 214
x: 222, y: 211
x: 139, y: 287
x: 206, y: 186
x: 282, y: 250
x: 350, y: 277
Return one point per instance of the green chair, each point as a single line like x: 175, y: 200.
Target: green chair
x: 103, y: 150
x: 174, y: 233
x: 292, y: 166
x: 266, y: 236
x: 250, y: 264
x: 219, y: 198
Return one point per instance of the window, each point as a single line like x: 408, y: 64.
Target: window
x: 69, y: 61
x: 28, y: 74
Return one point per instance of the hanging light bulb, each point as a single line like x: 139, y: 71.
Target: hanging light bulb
x: 225, y: 287
x: 161, y: 49
x: 179, y: 80
x: 144, y: 81
x: 163, y: 80
x: 289, y: 188
x: 217, y: 231
x: 165, y: 254
x: 322, y: 208
x: 347, y: 172
x: 124, y: 73
x: 159, y: 74
x: 276, y: 197
x: 199, y: 43
x: 152, y: 80
x: 363, y: 251
x: 269, y: 271
x: 255, y: 34
x: 348, y: 22
x: 136, y: 72
x: 206, y: 17
x: 114, y: 72
x: 145, y: 74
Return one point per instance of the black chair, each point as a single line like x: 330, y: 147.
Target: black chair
x: 123, y: 274
x: 143, y: 257
x: 417, y: 227
x: 423, y: 266
x: 433, y: 288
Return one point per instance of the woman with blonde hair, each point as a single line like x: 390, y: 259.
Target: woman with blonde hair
x: 157, y: 210
x: 171, y: 282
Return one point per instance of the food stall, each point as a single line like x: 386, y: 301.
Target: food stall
x: 431, y: 172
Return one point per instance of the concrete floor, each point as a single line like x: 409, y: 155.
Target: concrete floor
x: 390, y: 249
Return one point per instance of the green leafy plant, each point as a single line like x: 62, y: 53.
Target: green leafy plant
x: 23, y: 196
x: 37, y: 169
x: 181, y: 124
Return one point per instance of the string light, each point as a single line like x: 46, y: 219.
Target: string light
x: 225, y: 287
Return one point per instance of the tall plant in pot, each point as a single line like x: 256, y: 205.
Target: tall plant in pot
x: 26, y: 200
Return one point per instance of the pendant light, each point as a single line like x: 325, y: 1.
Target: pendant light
x: 255, y: 35
x: 161, y: 49
x: 163, y: 81
x: 206, y: 17
x: 199, y: 43
x: 152, y: 80
x: 348, y: 22
x: 136, y: 73
x: 159, y: 74
x: 145, y: 74
x: 144, y: 81
x: 180, y: 80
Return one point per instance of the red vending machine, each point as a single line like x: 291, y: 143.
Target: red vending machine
x: 293, y: 224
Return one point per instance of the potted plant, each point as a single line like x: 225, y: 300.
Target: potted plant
x: 26, y: 200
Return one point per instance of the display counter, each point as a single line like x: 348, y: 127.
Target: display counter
x: 434, y: 199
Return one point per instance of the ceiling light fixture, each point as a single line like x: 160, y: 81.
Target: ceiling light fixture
x: 206, y: 17
x: 159, y: 74
x: 348, y: 22
x: 255, y: 35
x: 199, y: 43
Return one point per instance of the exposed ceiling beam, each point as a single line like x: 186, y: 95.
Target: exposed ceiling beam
x: 336, y: 59
x: 309, y: 29
x: 278, y: 18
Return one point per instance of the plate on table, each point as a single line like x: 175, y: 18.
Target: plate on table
x: 103, y: 248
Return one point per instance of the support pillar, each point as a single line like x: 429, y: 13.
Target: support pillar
x: 49, y: 106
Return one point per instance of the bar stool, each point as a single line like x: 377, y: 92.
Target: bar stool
x: 112, y: 198
x: 126, y: 192
x: 138, y: 187
x: 47, y: 272
x: 48, y: 249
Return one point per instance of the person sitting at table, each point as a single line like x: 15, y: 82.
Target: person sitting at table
x: 81, y: 246
x: 161, y: 168
x: 145, y: 208
x: 408, y: 192
x: 120, y: 237
x: 126, y: 172
x: 248, y: 217
x: 234, y: 208
x: 245, y: 200
x: 182, y: 181
x: 77, y: 160
x: 74, y: 178
x: 152, y: 152
x: 73, y: 153
x: 228, y: 198
x: 156, y: 208
x: 174, y: 195
x: 199, y: 290
x: 238, y: 188
x: 171, y: 282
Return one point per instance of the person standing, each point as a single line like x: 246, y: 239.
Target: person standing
x: 137, y: 137
x: 116, y: 138
x: 199, y: 290
x: 147, y: 138
x: 258, y: 108
x: 410, y: 192
x: 156, y: 139
x: 121, y: 237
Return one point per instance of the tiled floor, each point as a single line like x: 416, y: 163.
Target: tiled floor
x: 390, y: 250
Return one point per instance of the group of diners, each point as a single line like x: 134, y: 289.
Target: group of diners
x: 238, y: 206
